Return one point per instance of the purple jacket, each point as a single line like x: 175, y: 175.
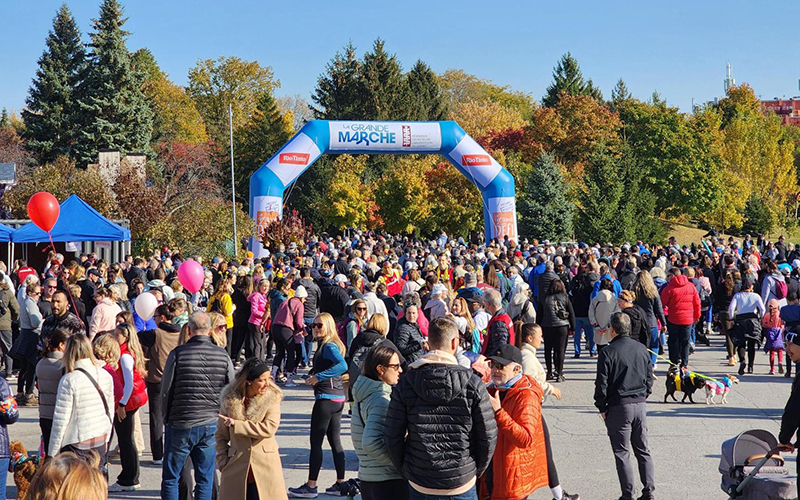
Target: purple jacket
x: 290, y: 315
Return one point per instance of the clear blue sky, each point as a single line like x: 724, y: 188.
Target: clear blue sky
x: 678, y: 48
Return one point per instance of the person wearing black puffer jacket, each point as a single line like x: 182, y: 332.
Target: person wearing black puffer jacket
x: 440, y: 427
x: 374, y: 333
x: 581, y: 289
x: 408, y: 337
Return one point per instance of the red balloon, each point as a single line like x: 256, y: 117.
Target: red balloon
x: 43, y: 210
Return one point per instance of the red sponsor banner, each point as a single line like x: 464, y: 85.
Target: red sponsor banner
x: 504, y: 225
x: 294, y: 158
x: 475, y: 160
x: 406, y: 136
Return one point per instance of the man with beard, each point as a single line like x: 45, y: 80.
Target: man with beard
x: 61, y: 317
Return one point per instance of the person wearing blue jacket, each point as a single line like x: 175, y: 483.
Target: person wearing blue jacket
x: 533, y: 277
x: 606, y: 274
x: 380, y: 479
x: 326, y: 416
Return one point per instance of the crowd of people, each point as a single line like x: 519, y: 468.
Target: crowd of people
x: 429, y: 347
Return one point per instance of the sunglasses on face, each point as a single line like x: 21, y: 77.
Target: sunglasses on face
x: 316, y: 325
x: 496, y: 365
x: 361, y: 308
x: 394, y: 366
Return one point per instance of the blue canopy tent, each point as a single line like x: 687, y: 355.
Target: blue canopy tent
x: 78, y: 221
x: 5, y: 233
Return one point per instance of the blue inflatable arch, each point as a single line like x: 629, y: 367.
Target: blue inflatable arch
x: 317, y: 137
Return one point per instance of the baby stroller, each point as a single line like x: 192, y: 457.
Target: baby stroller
x: 752, y: 469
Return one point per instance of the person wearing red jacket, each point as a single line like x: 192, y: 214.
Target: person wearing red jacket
x: 682, y: 307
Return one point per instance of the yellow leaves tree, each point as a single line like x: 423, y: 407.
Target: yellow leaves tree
x: 176, y: 117
x: 403, y: 195
x: 347, y: 202
x: 455, y: 203
x: 478, y: 118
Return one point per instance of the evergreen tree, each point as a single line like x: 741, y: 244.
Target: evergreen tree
x: 383, y: 91
x: 50, y: 129
x: 757, y: 217
x: 337, y: 94
x: 4, y: 121
x: 567, y: 78
x: 616, y: 206
x: 112, y: 110
x: 426, y: 98
x: 620, y: 92
x: 257, y: 141
x: 545, y: 212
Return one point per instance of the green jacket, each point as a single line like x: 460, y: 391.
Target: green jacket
x: 12, y: 308
x: 371, y: 399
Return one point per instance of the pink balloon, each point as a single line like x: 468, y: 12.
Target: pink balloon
x: 191, y: 275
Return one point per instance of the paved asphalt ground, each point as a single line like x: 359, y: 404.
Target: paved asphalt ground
x: 684, y: 439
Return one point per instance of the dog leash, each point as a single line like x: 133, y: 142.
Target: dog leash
x: 698, y: 374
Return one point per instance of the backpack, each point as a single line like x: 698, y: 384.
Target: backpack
x: 341, y: 330
x: 519, y: 316
x: 781, y: 290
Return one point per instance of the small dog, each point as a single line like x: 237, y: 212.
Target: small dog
x: 723, y: 387
x: 682, y: 381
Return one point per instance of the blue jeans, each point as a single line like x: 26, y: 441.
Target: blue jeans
x: 692, y: 337
x: 583, y: 325
x: 307, y: 346
x: 470, y: 494
x: 197, y: 442
x: 3, y: 469
x: 654, y: 344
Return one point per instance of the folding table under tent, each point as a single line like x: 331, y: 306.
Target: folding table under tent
x: 77, y: 222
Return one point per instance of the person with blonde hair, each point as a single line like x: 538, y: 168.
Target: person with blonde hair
x: 83, y: 413
x: 248, y: 421
x: 134, y: 396
x: 326, y: 416
x: 222, y: 302
x: 374, y: 334
x: 219, y: 330
x: 68, y: 476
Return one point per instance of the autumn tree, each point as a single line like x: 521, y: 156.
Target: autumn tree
x: 216, y: 83
x: 298, y: 107
x: 51, y: 127
x: 461, y: 87
x: 175, y: 116
x: 347, y: 202
x: 403, y: 195
x: 455, y: 204
x: 568, y: 80
x: 112, y: 111
x: 479, y: 118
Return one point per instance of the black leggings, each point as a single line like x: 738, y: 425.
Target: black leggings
x: 552, y: 473
x: 284, y: 343
x: 326, y: 420
x: 391, y: 489
x: 555, y: 346
x: 750, y: 344
x: 127, y: 450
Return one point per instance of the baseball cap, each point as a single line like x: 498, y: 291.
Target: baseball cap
x: 216, y: 260
x: 94, y: 271
x: 506, y: 354
x: 792, y: 337
x: 340, y: 278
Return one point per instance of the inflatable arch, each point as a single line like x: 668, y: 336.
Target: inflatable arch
x: 447, y: 138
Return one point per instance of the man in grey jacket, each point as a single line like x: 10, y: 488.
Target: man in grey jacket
x: 194, y: 375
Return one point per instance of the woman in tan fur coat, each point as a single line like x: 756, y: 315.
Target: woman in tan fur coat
x: 247, y: 452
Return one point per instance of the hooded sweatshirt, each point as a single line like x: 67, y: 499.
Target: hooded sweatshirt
x: 603, y: 305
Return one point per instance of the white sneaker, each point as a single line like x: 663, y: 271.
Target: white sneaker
x: 118, y: 488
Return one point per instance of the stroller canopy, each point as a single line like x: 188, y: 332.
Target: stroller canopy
x: 737, y: 450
